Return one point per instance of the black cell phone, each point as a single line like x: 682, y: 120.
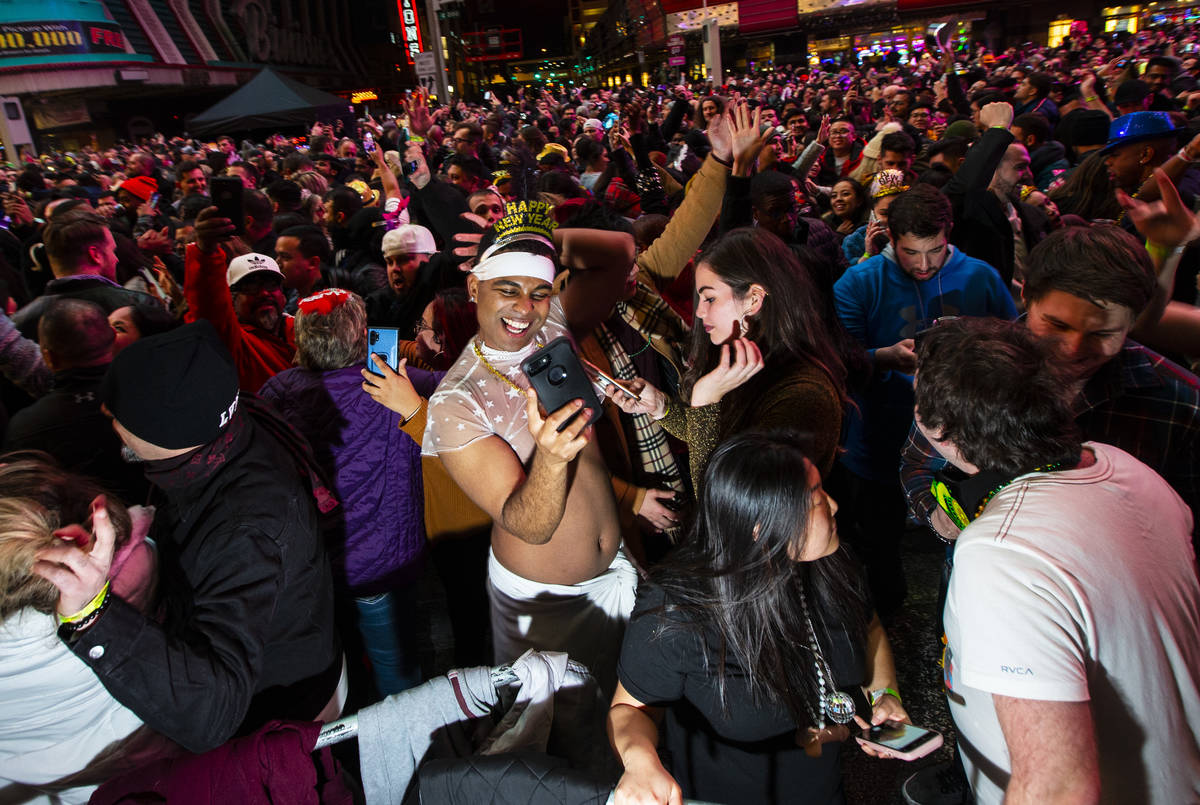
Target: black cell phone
x: 227, y: 196
x: 558, y: 377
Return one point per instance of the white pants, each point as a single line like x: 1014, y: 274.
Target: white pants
x: 586, y: 620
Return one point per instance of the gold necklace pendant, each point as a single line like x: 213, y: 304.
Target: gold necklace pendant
x: 493, y: 369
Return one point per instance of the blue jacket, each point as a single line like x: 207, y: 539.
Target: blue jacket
x: 376, y: 538
x: 880, y: 304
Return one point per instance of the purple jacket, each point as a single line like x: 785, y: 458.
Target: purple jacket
x: 376, y: 538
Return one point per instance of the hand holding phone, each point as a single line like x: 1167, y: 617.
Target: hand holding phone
x: 384, y: 342
x: 893, y: 739
x: 227, y: 196
x: 559, y: 380
x: 605, y: 381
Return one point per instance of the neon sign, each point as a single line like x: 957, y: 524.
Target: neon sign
x: 411, y: 26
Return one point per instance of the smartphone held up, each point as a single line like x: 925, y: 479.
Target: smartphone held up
x: 558, y: 377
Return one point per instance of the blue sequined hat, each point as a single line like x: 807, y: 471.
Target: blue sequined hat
x: 1137, y: 127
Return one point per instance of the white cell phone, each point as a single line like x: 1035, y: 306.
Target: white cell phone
x: 605, y: 381
x: 900, y: 741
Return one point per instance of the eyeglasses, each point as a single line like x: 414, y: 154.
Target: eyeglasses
x: 419, y: 326
x: 464, y: 141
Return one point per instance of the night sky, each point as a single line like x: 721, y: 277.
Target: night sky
x: 542, y: 22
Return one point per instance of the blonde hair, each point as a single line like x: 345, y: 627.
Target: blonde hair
x: 25, y: 529
x: 312, y: 181
x: 36, y: 498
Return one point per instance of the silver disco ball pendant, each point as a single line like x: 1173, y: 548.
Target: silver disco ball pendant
x: 839, y: 707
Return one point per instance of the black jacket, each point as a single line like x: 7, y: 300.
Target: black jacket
x: 386, y: 309
x: 981, y: 227
x: 68, y: 424
x: 247, y: 633
x: 93, y: 288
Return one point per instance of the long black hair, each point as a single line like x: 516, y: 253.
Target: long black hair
x: 791, y: 326
x: 734, y: 581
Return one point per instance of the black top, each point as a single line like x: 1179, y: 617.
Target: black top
x: 748, y: 754
x: 68, y: 424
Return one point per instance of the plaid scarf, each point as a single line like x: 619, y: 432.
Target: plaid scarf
x: 650, y: 316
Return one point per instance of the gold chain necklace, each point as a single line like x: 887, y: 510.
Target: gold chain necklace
x: 493, y: 369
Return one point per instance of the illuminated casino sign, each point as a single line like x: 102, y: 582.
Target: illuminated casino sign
x: 411, y: 26
x: 56, y: 38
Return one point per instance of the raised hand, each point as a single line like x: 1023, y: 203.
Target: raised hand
x: 555, y: 445
x: 740, y: 360
x: 1166, y: 223
x: 77, y: 566
x: 212, y: 230
x: 748, y: 140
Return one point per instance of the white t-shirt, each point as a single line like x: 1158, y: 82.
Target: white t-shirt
x: 471, y: 402
x: 55, y: 715
x: 1080, y: 585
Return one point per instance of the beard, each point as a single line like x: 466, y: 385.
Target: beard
x: 267, y: 317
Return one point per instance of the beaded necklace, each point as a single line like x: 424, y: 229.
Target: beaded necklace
x: 836, y: 704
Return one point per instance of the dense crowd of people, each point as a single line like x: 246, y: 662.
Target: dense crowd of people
x: 815, y: 308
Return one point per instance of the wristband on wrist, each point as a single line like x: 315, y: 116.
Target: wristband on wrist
x: 1091, y: 99
x: 1183, y: 154
x: 90, y: 607
x: 726, y: 163
x: 666, y: 407
x: 1161, y: 253
x: 879, y: 693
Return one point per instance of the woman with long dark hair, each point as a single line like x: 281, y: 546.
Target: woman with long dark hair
x: 761, y: 354
x: 849, y: 207
x: 755, y: 638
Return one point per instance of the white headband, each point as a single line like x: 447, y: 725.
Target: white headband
x: 515, y: 264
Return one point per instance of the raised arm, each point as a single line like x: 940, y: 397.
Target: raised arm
x: 984, y: 156
x: 600, y: 262
x: 204, y: 284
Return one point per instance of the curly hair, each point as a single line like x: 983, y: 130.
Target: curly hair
x: 989, y: 387
x: 332, y: 340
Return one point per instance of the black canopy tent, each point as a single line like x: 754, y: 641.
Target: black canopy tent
x: 269, y: 100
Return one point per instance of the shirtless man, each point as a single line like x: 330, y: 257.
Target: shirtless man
x: 558, y: 579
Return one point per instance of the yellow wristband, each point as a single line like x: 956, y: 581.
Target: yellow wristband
x: 91, y: 607
x: 1160, y: 253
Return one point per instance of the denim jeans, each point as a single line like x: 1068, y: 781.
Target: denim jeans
x: 387, y: 624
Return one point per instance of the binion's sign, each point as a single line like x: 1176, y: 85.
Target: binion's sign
x: 411, y: 26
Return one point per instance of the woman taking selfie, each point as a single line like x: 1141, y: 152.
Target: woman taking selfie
x: 755, y: 640
x: 762, y: 354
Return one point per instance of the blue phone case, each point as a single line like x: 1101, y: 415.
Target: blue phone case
x: 384, y: 342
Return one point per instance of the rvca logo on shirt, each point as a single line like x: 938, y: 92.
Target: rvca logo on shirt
x: 1019, y: 670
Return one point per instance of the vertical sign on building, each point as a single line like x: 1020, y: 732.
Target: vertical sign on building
x: 411, y: 26
x: 675, y: 51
